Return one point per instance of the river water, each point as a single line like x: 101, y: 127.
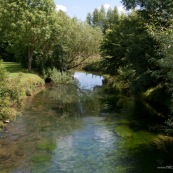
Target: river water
x: 84, y: 127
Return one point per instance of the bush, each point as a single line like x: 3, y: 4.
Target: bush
x: 7, y: 113
x: 58, y: 77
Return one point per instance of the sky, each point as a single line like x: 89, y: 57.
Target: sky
x: 80, y: 8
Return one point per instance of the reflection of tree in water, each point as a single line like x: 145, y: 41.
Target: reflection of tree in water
x: 114, y: 101
x: 29, y: 142
x: 71, y: 100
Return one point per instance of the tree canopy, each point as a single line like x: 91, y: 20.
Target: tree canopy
x: 37, y: 35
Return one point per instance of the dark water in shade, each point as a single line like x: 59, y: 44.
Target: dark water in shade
x: 84, y: 128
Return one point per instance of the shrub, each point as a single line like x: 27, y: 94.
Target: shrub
x: 7, y: 113
x: 58, y: 77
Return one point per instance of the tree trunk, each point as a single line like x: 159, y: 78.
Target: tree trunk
x: 30, y: 57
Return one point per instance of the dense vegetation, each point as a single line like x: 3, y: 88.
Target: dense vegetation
x: 35, y: 34
x: 15, y: 85
x: 137, y: 49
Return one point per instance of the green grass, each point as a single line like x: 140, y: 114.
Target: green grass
x: 18, y: 84
x: 26, y: 79
x: 14, y: 67
x: 18, y: 74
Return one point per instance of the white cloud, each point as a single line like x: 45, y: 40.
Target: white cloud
x: 61, y: 7
x: 121, y: 9
x: 106, y: 6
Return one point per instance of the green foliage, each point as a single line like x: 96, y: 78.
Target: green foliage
x: 7, y: 113
x: 157, y: 16
x: 127, y: 50
x: 165, y: 73
x: 158, y: 8
x: 30, y: 27
x: 78, y: 41
x: 13, y: 88
x: 58, y: 77
x: 102, y: 18
x: 138, y: 50
x: 40, y: 37
x: 8, y: 97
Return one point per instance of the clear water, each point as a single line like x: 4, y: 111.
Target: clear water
x: 83, y: 128
x: 88, y: 80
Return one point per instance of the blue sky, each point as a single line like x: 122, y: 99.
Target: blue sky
x: 80, y: 8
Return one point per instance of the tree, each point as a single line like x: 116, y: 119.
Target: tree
x: 76, y: 41
x: 112, y: 17
x: 102, y: 18
x: 154, y: 11
x: 89, y: 19
x: 27, y: 25
x: 157, y: 17
x: 96, y: 17
x: 128, y: 49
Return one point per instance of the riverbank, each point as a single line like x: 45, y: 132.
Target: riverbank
x: 17, y: 85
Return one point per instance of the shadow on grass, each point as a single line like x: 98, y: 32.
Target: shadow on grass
x: 14, y: 67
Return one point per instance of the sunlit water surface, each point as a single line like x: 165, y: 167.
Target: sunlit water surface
x: 79, y: 128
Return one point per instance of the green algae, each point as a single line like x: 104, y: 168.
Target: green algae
x: 39, y: 158
x: 124, y: 131
x: 46, y: 146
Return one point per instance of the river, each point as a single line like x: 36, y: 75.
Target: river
x: 84, y: 127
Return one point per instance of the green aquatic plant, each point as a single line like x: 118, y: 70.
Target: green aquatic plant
x: 39, y: 158
x: 46, y: 146
x: 133, y: 138
x: 122, y: 169
x: 133, y: 141
x: 124, y: 131
x: 123, y: 121
x: 132, y: 147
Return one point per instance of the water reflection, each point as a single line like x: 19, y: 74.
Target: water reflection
x: 80, y: 97
x: 81, y: 128
x: 88, y: 81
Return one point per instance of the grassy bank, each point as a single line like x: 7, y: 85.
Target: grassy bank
x: 17, y: 85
